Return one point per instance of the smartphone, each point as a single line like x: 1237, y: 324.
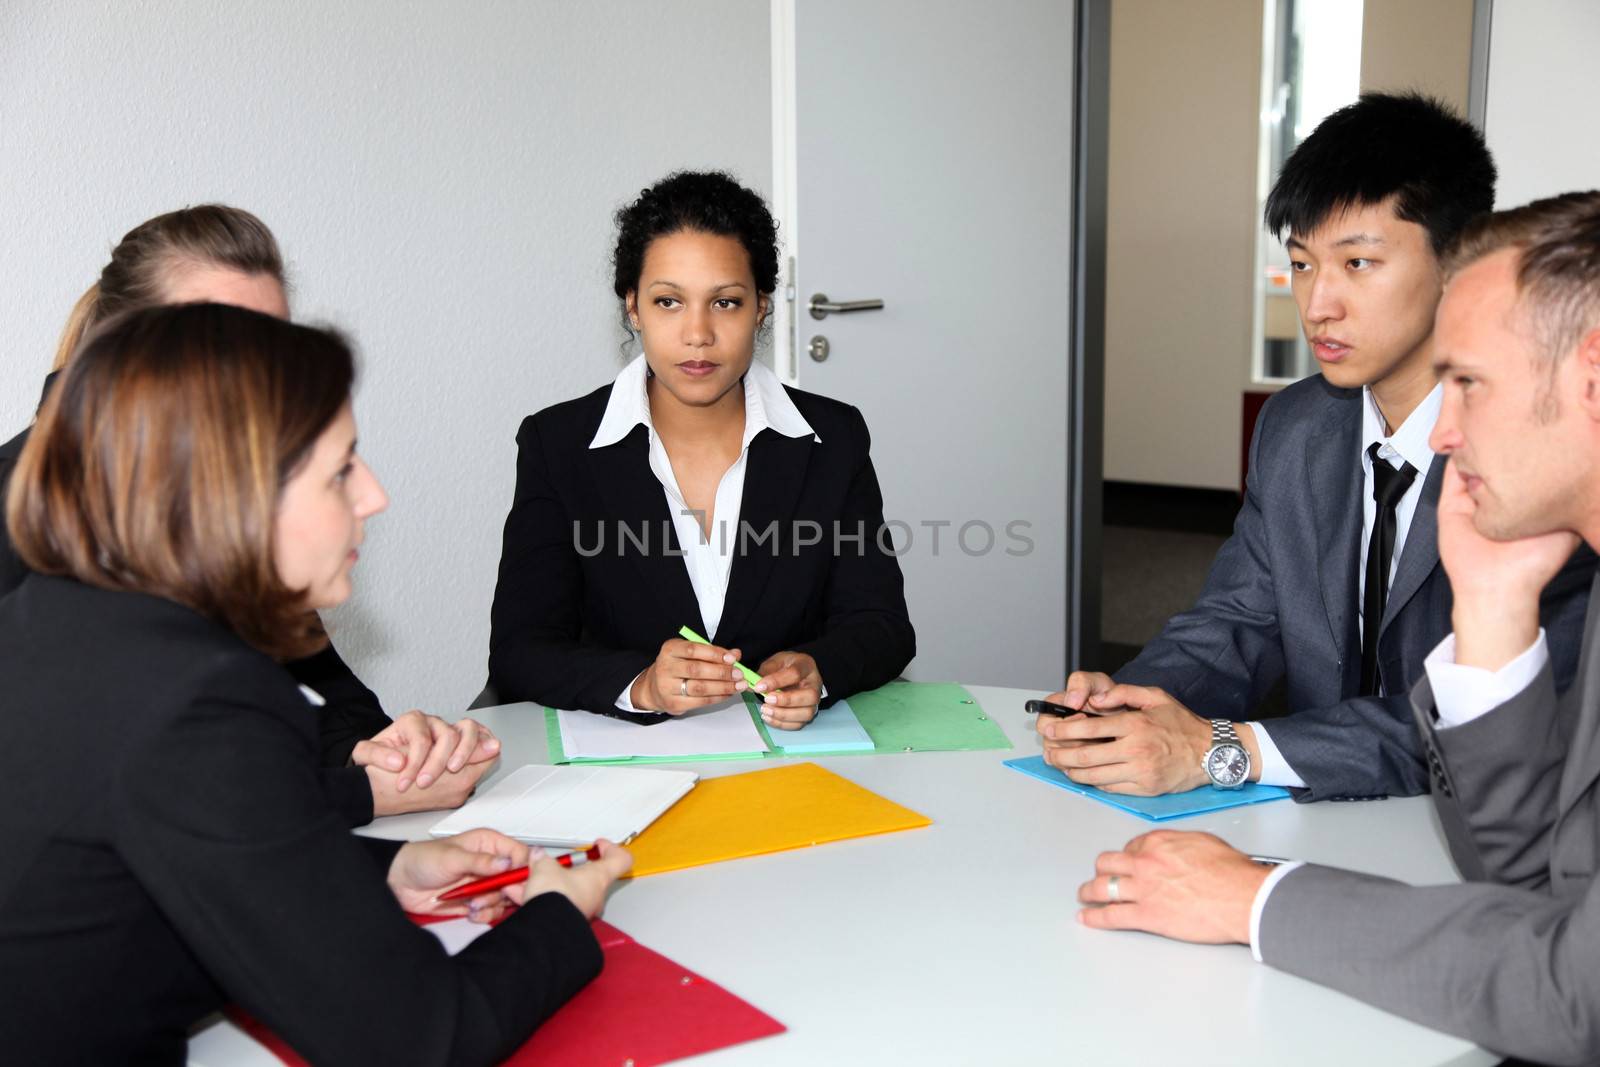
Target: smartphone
x: 1044, y: 707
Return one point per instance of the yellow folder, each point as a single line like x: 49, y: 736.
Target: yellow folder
x: 739, y: 815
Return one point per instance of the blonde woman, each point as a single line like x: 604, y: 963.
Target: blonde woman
x: 226, y: 255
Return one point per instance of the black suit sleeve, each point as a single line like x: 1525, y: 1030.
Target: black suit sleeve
x: 867, y: 638
x: 221, y: 818
x: 11, y: 569
x: 351, y: 713
x: 537, y: 646
x: 349, y: 792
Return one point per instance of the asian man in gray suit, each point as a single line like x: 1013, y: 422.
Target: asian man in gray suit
x: 1331, y: 580
x: 1511, y: 959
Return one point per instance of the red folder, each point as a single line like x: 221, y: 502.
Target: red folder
x: 644, y: 1009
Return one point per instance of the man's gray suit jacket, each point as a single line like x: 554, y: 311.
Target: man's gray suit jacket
x: 1510, y: 960
x: 1280, y: 603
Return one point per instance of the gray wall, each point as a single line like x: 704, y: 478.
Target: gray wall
x: 441, y: 177
x: 1544, y: 84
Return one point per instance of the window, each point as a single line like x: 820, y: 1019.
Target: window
x: 1311, y: 67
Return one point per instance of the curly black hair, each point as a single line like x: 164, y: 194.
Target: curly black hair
x: 1405, y: 145
x: 700, y: 201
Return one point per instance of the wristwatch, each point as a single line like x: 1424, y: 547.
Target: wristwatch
x: 1226, y: 762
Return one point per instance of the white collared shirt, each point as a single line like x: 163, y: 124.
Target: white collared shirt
x: 708, y: 555
x: 1408, y: 444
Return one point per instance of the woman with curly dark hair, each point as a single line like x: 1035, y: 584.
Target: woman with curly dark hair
x: 696, y: 489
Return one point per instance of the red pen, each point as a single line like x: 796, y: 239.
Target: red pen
x: 499, y: 881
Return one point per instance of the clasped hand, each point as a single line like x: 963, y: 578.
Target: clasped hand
x: 443, y: 761
x: 1145, y: 743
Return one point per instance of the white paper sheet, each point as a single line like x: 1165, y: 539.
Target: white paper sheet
x: 719, y: 730
x: 572, y: 806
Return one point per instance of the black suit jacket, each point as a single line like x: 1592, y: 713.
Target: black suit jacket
x: 592, y: 580
x: 167, y: 848
x: 352, y: 712
x: 11, y: 569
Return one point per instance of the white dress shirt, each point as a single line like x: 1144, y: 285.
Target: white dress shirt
x: 1408, y: 444
x: 708, y: 555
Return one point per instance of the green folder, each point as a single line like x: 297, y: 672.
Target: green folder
x: 926, y: 717
x: 899, y: 717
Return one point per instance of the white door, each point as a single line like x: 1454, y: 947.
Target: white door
x: 931, y: 169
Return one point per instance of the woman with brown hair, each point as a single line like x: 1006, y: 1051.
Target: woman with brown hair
x: 226, y: 255
x: 190, y: 496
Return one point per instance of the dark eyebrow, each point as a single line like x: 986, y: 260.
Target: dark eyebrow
x: 1446, y: 365
x: 1353, y: 239
x: 351, y: 450
x: 715, y: 289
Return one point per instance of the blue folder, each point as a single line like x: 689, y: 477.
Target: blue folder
x: 834, y: 729
x: 1156, y: 809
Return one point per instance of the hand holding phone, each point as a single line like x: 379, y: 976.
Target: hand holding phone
x: 1045, y: 707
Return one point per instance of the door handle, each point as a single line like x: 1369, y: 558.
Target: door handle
x: 821, y: 307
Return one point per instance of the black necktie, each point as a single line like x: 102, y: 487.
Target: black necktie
x: 1388, y: 486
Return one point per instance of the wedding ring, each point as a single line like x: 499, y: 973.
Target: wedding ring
x: 683, y: 687
x: 1112, y: 890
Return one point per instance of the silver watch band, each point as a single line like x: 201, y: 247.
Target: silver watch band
x: 1222, y: 733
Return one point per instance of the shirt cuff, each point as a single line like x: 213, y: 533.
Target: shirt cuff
x: 625, y: 698
x: 1260, y: 903
x: 1461, y: 693
x: 1275, y: 770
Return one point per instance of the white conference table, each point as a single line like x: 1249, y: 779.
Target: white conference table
x: 957, y: 943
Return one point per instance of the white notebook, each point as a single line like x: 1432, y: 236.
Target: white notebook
x: 724, y: 729
x: 571, y: 807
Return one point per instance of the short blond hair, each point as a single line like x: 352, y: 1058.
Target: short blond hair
x: 1558, y: 264
x: 144, y: 261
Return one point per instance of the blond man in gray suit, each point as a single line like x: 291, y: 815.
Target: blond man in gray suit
x: 1511, y: 959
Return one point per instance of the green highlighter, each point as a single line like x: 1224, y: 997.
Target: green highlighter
x: 689, y: 635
